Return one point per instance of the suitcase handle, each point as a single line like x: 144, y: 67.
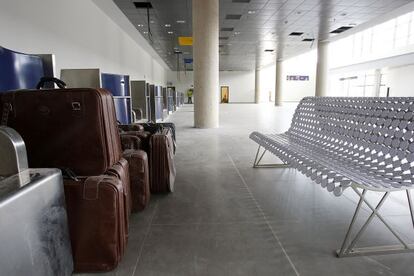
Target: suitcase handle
x: 61, y: 84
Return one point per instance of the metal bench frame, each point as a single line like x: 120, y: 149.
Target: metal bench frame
x: 259, y: 157
x: 372, y: 117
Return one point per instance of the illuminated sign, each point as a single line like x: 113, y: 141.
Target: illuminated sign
x: 185, y: 40
x: 297, y: 78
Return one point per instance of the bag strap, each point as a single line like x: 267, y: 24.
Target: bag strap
x: 61, y: 84
x: 69, y: 174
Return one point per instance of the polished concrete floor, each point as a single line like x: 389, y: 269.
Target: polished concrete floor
x: 226, y: 218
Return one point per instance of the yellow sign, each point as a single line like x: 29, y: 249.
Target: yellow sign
x: 185, y: 40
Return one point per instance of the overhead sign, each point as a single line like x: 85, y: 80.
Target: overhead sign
x: 188, y: 60
x: 297, y: 78
x: 185, y: 40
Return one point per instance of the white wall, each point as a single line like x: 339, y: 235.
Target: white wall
x: 267, y: 83
x: 181, y: 80
x: 81, y: 35
x: 241, y: 84
x: 303, y: 65
x: 401, y: 81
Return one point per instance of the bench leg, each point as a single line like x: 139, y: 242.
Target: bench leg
x: 258, y: 158
x: 348, y: 248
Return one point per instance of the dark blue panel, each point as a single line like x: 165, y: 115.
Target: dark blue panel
x: 19, y: 71
x: 123, y: 110
x: 118, y: 85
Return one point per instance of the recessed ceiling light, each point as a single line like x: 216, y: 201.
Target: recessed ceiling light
x: 180, y: 21
x: 140, y: 25
x: 170, y: 32
x: 167, y: 25
x: 145, y: 32
x: 251, y: 12
x: 152, y: 21
x: 143, y: 5
x: 233, y: 16
x: 236, y: 33
x: 341, y: 29
x: 296, y: 34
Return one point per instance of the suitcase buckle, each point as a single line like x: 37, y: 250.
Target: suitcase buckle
x: 76, y: 106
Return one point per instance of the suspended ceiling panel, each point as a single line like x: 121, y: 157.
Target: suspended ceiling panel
x: 249, y: 28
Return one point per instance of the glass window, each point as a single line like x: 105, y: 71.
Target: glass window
x: 377, y: 42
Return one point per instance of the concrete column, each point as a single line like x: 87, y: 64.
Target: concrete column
x: 257, y: 88
x: 321, y: 88
x: 377, y: 83
x: 279, y: 78
x: 206, y: 63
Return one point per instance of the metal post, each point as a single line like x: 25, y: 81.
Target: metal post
x: 410, y: 204
x: 374, y: 213
x: 348, y: 234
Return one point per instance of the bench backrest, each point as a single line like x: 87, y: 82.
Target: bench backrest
x: 375, y: 134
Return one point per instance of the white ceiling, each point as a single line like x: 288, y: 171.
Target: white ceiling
x: 264, y: 24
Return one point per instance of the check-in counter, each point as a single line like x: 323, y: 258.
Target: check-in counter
x: 34, y: 234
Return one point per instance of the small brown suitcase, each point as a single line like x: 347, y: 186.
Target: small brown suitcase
x: 140, y: 187
x: 96, y: 213
x: 121, y: 170
x: 130, y: 142
x: 162, y: 167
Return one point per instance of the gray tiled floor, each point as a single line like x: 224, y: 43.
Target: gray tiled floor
x: 226, y: 218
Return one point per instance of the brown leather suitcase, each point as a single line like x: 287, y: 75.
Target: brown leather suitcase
x: 144, y: 137
x: 130, y: 142
x: 140, y: 185
x: 76, y: 130
x: 96, y: 212
x: 132, y: 127
x: 162, y: 167
x: 121, y: 170
x: 83, y: 119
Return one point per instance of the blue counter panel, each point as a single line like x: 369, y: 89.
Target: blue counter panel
x: 123, y: 110
x: 18, y: 70
x: 118, y: 85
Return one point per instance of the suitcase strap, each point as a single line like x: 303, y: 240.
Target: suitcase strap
x: 7, y: 108
x: 91, y: 187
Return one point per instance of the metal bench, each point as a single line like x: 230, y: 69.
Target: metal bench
x: 365, y: 144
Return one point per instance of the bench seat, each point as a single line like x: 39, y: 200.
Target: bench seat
x: 363, y: 143
x: 324, y: 166
x: 337, y: 142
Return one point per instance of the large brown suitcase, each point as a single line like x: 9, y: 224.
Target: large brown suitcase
x: 162, y: 167
x: 76, y: 130
x: 140, y: 187
x: 83, y: 119
x: 96, y: 212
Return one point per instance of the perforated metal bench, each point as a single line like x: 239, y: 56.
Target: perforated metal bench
x: 365, y: 144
